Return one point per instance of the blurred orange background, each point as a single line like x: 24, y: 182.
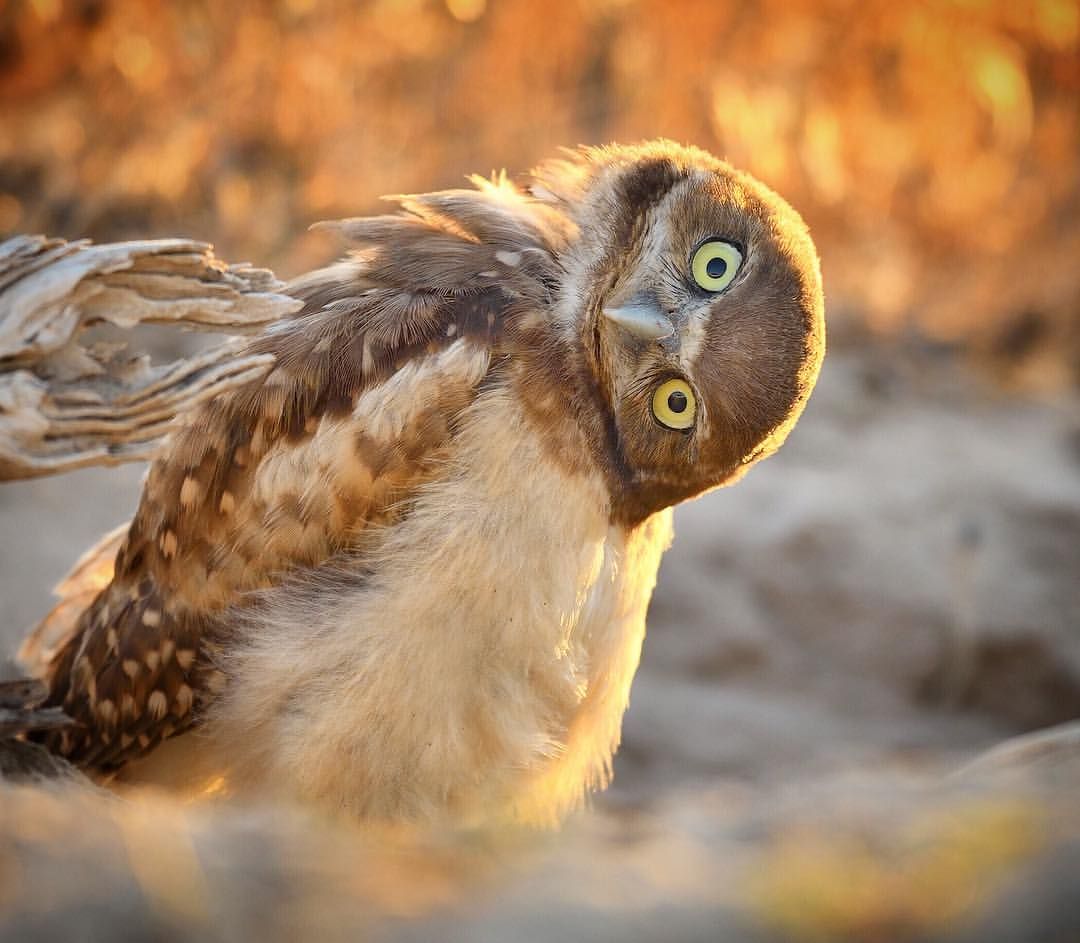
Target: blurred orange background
x: 933, y: 146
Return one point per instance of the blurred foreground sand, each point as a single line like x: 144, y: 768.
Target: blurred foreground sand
x: 892, y: 594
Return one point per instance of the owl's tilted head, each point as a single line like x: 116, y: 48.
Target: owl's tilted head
x: 695, y: 294
x: 658, y: 312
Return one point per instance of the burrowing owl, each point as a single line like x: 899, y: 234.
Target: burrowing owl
x: 406, y: 573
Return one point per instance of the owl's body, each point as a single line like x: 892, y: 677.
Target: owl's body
x: 488, y: 663
x: 406, y: 574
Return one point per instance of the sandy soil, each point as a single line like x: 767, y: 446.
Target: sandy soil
x: 892, y: 594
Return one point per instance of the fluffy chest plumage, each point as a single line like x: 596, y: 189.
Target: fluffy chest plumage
x: 477, y: 662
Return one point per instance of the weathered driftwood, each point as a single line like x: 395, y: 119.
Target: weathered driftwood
x: 22, y: 712
x: 65, y: 404
x: 20, y: 709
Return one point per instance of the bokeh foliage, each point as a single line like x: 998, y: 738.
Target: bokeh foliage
x: 933, y: 145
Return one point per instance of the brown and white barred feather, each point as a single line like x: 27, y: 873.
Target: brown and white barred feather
x: 292, y: 470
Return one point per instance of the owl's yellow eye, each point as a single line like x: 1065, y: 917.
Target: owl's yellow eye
x: 715, y: 264
x: 673, y: 404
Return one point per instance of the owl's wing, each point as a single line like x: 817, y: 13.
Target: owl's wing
x: 297, y: 467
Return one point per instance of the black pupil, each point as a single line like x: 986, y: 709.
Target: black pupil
x: 716, y: 267
x: 677, y: 402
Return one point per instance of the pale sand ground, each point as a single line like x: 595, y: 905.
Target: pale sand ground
x: 893, y: 593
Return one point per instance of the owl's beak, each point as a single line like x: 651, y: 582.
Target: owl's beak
x: 642, y: 319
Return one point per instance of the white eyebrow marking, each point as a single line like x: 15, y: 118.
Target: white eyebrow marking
x: 692, y: 335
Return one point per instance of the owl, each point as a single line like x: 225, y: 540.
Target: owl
x: 405, y: 574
